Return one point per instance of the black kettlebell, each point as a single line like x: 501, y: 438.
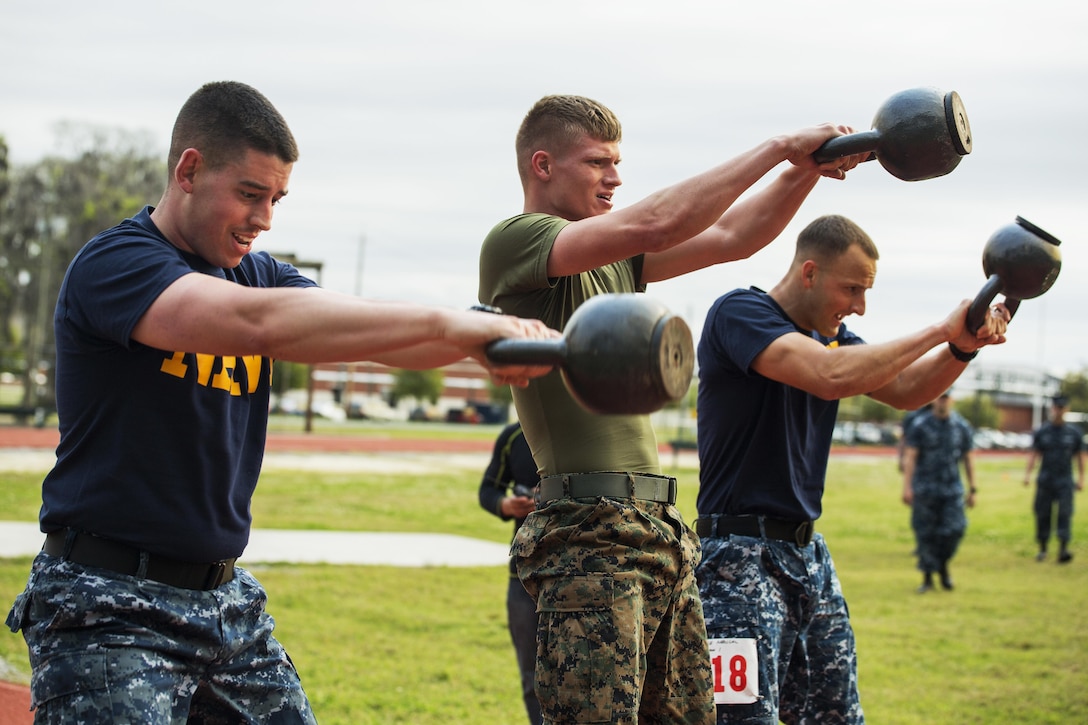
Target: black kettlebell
x: 1020, y: 261
x: 917, y: 134
x: 619, y: 353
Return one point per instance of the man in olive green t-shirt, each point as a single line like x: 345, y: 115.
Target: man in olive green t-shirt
x: 622, y: 637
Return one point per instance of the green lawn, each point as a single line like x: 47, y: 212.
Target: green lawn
x: 383, y: 645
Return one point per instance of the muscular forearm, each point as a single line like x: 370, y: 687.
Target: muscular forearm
x: 199, y: 313
x: 682, y: 211
x: 876, y: 369
x: 921, y: 381
x: 318, y: 326
x: 744, y: 229
x: 753, y: 223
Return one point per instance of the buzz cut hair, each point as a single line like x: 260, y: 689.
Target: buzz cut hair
x: 556, y: 123
x: 225, y: 119
x: 829, y: 237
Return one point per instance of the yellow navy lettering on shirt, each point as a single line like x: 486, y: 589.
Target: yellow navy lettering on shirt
x: 218, y: 371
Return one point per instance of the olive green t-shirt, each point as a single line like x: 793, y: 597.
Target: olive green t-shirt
x: 564, y: 436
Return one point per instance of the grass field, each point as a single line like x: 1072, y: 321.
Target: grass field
x: 378, y: 645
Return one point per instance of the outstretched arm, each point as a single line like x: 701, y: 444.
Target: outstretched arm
x: 893, y: 372
x: 685, y: 210
x: 744, y: 229
x: 200, y: 313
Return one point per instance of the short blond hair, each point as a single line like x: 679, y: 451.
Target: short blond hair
x: 557, y: 122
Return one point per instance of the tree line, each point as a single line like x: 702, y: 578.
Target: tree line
x: 48, y: 210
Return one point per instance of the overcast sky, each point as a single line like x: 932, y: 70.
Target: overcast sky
x: 405, y: 113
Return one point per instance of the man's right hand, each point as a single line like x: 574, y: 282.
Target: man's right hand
x: 804, y: 143
x: 482, y: 328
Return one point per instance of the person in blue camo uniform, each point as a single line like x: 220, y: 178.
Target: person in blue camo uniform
x: 166, y: 329
x: 908, y: 418
x: 937, y: 444
x: 607, y: 555
x: 772, y: 368
x: 1055, y: 445
x: 507, y: 491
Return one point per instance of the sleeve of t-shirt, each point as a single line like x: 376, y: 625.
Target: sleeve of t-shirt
x: 514, y: 257
x: 110, y: 286
x: 261, y: 269
x: 743, y: 324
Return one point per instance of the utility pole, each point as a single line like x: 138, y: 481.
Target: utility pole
x: 349, y: 384
x: 291, y: 258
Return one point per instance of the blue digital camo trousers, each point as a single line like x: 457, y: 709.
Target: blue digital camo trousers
x: 939, y: 521
x: 110, y: 648
x: 1049, y: 497
x: 620, y: 636
x: 788, y: 598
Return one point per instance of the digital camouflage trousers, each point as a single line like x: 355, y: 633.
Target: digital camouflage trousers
x: 111, y: 648
x: 788, y: 599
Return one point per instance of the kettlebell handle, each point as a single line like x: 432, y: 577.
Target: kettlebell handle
x: 527, y: 352
x: 976, y: 313
x: 847, y: 145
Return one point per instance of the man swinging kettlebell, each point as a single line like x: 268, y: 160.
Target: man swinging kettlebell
x: 626, y: 354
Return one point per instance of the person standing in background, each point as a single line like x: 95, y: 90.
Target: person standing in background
x: 1056, y: 444
x: 507, y: 491
x: 908, y: 419
x: 938, y: 442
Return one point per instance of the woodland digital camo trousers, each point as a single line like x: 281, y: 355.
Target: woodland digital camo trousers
x: 788, y: 598
x: 620, y: 636
x: 111, y: 648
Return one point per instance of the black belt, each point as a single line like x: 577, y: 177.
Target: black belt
x: 609, y: 484
x: 90, y: 550
x: 798, y: 532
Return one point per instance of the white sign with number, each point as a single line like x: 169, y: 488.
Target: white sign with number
x: 736, y: 671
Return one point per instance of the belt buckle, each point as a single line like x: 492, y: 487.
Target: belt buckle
x: 803, y: 533
x: 215, y: 574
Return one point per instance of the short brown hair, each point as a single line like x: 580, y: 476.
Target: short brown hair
x: 224, y: 119
x: 555, y: 123
x: 828, y: 237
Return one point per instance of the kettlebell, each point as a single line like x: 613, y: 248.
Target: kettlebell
x: 619, y: 354
x: 1020, y: 261
x: 917, y: 134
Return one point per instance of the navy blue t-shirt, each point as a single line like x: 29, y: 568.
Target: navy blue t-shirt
x: 159, y: 449
x: 763, y: 445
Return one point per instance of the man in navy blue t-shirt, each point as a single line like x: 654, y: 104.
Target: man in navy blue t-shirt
x: 772, y: 368
x: 166, y: 329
